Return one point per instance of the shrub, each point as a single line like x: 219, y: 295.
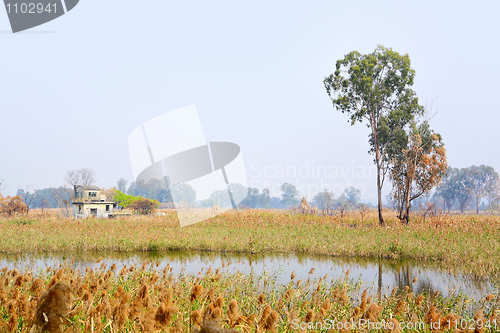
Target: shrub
x: 12, y: 206
x: 125, y: 200
x: 145, y: 206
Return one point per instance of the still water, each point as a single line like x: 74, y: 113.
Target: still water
x: 380, y: 275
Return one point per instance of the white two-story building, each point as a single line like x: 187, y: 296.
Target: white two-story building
x: 89, y: 201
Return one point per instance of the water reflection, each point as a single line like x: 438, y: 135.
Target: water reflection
x: 377, y: 274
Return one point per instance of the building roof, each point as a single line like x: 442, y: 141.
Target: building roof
x: 88, y: 187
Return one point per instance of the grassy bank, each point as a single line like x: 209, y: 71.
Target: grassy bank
x: 216, y: 300
x: 469, y: 243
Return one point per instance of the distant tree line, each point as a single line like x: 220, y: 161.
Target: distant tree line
x: 56, y: 197
x: 326, y: 202
x: 52, y: 197
x: 474, y: 187
x: 161, y: 191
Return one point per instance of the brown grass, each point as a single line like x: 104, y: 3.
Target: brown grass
x: 147, y: 300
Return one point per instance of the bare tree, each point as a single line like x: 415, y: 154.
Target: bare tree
x: 64, y: 198
x: 88, y: 176
x: 429, y: 209
x: 325, y: 200
x: 56, y: 195
x: 84, y: 176
x: 43, y: 205
x: 27, y: 196
x: 66, y: 206
x: 343, y: 205
x: 72, y: 177
x: 363, y: 210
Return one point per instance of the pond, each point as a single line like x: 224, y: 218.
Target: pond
x: 380, y: 275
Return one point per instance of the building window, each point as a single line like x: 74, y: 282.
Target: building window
x: 107, y: 208
x: 92, y: 194
x: 79, y: 208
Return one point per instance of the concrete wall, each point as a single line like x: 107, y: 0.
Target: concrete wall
x: 85, y: 195
x: 86, y: 209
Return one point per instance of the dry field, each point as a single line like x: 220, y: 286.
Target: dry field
x: 468, y: 243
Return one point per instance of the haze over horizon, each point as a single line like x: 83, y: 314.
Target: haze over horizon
x: 255, y: 73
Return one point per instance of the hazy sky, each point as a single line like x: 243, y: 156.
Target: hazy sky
x: 72, y: 90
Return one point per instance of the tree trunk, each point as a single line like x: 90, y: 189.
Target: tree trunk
x: 379, y: 192
x: 407, y: 202
x: 379, y: 184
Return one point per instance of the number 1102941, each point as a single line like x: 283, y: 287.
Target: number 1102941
x: 31, y: 8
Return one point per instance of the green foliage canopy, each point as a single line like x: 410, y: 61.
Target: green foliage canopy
x: 127, y: 200
x: 375, y: 88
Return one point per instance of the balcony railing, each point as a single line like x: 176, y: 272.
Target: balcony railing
x: 91, y: 200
